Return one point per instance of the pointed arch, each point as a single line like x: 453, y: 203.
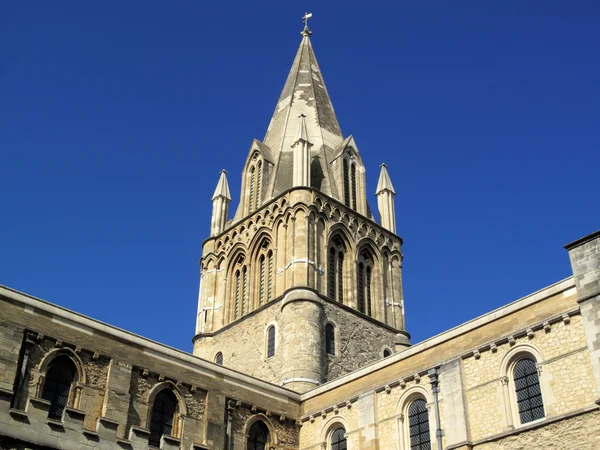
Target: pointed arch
x: 260, y: 419
x: 166, y: 410
x: 51, y: 355
x: 337, y: 250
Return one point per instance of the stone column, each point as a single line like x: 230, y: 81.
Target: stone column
x: 585, y: 261
x: 301, y: 340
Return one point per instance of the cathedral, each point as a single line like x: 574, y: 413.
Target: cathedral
x: 300, y: 339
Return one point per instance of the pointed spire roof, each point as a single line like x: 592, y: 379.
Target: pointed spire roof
x: 222, y: 189
x: 304, y: 94
x: 384, y: 183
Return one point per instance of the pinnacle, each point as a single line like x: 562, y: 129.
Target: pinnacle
x: 222, y: 189
x: 384, y: 183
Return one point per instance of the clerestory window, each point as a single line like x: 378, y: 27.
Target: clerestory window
x: 528, y: 391
x: 418, y: 423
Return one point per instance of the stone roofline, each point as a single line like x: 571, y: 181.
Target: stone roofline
x: 284, y: 295
x: 336, y: 202
x: 583, y: 240
x: 88, y: 324
x: 565, y: 286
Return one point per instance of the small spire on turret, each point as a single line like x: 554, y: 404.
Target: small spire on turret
x: 385, y: 200
x: 220, y: 199
x: 222, y: 187
x: 384, y: 183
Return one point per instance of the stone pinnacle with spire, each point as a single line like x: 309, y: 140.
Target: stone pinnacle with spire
x: 385, y: 200
x: 220, y: 199
x: 302, y: 159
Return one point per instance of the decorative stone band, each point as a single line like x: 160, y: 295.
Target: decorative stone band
x: 300, y: 380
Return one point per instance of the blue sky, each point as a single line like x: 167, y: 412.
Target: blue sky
x: 116, y: 118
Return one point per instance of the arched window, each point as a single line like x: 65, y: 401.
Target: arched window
x: 238, y: 293
x: 162, y: 417
x: 387, y: 352
x: 387, y: 297
x: 254, y: 181
x: 252, y: 187
x: 258, y: 436
x: 364, y: 282
x: 418, y: 423
x: 346, y: 183
x: 244, y: 289
x: 338, y: 439
x: 353, y: 175
x: 330, y: 339
x: 270, y: 276
x: 57, y: 387
x: 219, y: 358
x: 258, y: 184
x: 335, y: 269
x: 527, y: 388
x: 265, y: 268
x: 271, y: 341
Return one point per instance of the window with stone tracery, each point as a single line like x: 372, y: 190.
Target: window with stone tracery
x: 240, y: 289
x: 364, y: 282
x: 265, y: 274
x: 349, y: 180
x: 335, y: 269
x: 254, y: 181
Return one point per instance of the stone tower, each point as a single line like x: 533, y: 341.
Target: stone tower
x: 302, y: 285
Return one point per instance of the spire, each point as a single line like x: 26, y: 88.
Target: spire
x: 304, y: 98
x: 222, y: 189
x: 384, y: 183
x: 385, y: 201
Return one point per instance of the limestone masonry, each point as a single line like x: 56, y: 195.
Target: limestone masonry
x: 300, y: 339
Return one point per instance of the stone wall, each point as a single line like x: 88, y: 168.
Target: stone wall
x: 360, y: 342
x: 120, y: 373
x: 566, y: 376
x: 244, y: 345
x: 581, y: 432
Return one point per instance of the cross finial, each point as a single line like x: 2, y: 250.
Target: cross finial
x: 306, y: 31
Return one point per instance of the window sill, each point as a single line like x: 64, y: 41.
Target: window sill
x: 56, y: 424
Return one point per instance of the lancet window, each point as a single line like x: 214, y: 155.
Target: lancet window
x: 254, y: 181
x: 265, y: 274
x: 349, y: 178
x: 335, y: 266
x: 330, y: 339
x: 271, y: 341
x: 364, y: 278
x: 240, y: 289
